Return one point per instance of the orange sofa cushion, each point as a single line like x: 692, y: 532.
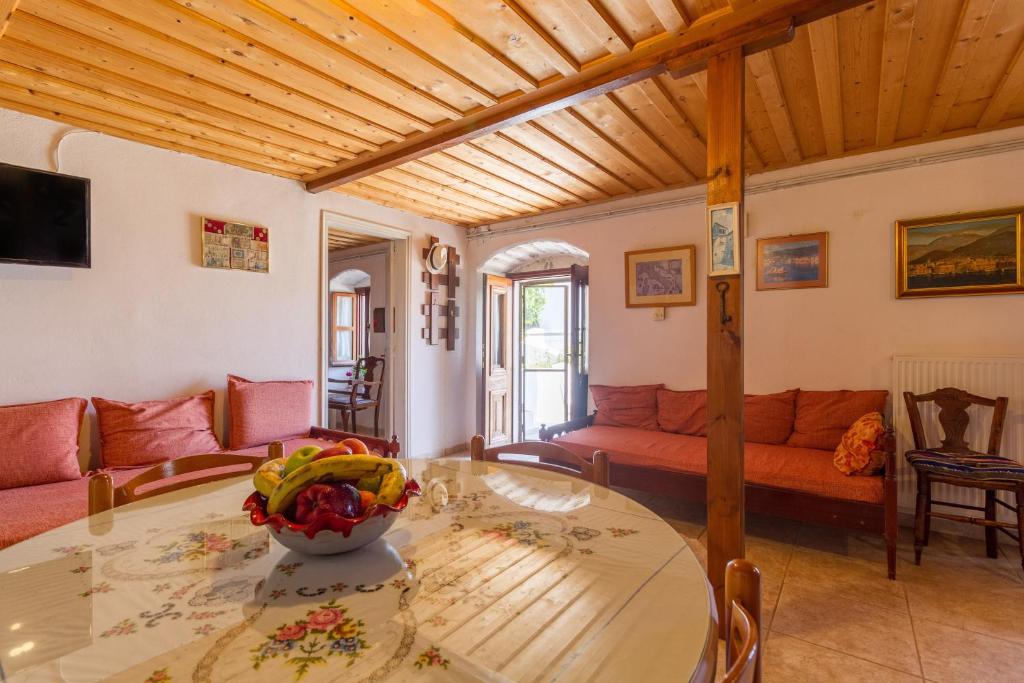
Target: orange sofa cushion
x: 822, y: 417
x: 785, y: 467
x: 635, y: 406
x: 856, y: 452
x: 683, y: 412
x: 262, y: 412
x: 768, y: 418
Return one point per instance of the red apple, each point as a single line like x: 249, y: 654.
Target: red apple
x: 321, y: 498
x: 332, y: 452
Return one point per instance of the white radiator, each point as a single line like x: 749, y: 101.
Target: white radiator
x: 989, y: 377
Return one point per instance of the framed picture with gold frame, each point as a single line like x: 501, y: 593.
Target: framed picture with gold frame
x: 793, y: 261
x: 960, y: 255
x: 661, y: 277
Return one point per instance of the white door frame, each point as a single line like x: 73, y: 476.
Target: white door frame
x: 399, y: 298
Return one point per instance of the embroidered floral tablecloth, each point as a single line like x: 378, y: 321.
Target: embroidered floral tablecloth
x: 521, y: 575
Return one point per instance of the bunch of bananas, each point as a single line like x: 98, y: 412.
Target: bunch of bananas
x: 383, y: 476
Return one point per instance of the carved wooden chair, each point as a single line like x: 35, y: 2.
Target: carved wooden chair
x: 551, y: 457
x: 103, y: 495
x: 742, y: 622
x: 954, y: 463
x: 363, y: 392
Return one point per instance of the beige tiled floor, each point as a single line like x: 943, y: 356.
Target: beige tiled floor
x: 830, y: 613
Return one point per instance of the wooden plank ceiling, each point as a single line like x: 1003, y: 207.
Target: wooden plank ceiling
x: 342, y: 239
x: 294, y: 87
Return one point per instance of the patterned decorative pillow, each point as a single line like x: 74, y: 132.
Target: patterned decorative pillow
x: 856, y: 453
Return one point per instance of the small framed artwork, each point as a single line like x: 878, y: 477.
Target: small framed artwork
x: 235, y: 246
x: 725, y: 239
x: 379, y: 320
x: 661, y: 277
x: 960, y: 255
x: 793, y: 262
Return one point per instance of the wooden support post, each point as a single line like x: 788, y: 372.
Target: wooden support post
x: 725, y: 327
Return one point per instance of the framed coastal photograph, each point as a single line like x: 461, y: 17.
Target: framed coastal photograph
x: 661, y: 277
x: 960, y: 255
x: 793, y: 262
x: 724, y: 239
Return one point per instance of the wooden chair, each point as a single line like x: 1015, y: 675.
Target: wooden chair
x: 954, y: 463
x: 553, y: 458
x: 742, y: 622
x: 103, y: 495
x: 364, y: 392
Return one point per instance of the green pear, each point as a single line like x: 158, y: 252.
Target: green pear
x: 299, y: 458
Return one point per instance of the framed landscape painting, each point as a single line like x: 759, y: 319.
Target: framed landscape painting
x: 725, y: 240
x: 793, y: 262
x: 661, y: 277
x: 960, y: 255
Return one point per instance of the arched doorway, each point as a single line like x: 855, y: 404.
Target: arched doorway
x: 535, y: 338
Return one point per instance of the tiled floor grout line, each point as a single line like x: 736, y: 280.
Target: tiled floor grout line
x: 913, y: 631
x: 845, y: 654
x: 983, y: 634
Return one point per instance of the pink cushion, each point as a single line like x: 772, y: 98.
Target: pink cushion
x: 133, y: 434
x: 262, y: 412
x: 822, y: 417
x: 635, y: 406
x: 768, y: 418
x: 39, y: 442
x: 796, y: 469
x: 683, y: 412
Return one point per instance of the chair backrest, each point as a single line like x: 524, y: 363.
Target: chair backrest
x: 953, y: 405
x: 742, y: 622
x: 567, y: 462
x: 104, y: 496
x: 366, y: 369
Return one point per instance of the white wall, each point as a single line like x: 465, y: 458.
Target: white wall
x: 148, y: 322
x: 840, y: 337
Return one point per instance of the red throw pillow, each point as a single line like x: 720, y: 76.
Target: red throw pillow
x: 822, y: 417
x: 39, y: 442
x: 768, y: 418
x: 856, y: 453
x: 262, y: 412
x: 149, y: 432
x: 635, y: 406
x: 683, y: 412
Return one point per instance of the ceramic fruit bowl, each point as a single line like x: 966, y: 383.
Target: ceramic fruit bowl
x: 329, y: 533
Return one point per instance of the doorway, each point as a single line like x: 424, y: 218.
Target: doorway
x: 364, y: 327
x: 535, y: 351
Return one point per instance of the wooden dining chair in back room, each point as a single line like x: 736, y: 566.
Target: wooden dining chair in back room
x: 362, y: 392
x: 550, y: 457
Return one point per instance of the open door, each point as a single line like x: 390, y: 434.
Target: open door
x: 498, y: 360
x: 579, y: 373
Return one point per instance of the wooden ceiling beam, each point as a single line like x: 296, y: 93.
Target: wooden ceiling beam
x: 1011, y: 85
x: 625, y: 40
x: 478, y: 189
x: 428, y: 197
x: 899, y: 30
x: 657, y: 141
x: 971, y: 24
x: 516, y: 168
x: 672, y: 14
x: 547, y: 160
x: 481, y: 43
x: 555, y: 54
x: 7, y: 8
x: 824, y: 39
x: 657, y: 93
x: 754, y: 159
x: 509, y: 186
x: 406, y: 177
x: 363, y: 191
x: 642, y: 169
x: 575, y: 151
x: 512, y: 173
x: 766, y: 78
x: 723, y: 28
x: 483, y: 96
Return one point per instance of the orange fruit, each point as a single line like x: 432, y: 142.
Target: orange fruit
x: 367, y: 498
x: 356, y: 446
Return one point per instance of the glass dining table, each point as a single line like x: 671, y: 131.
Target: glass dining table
x: 497, y: 573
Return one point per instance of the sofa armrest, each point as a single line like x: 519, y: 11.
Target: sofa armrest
x: 389, y: 449
x: 549, y: 433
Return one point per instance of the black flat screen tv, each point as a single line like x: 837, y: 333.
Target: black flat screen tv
x: 44, y: 218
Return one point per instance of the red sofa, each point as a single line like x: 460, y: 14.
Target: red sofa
x: 23, y: 515
x: 783, y: 480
